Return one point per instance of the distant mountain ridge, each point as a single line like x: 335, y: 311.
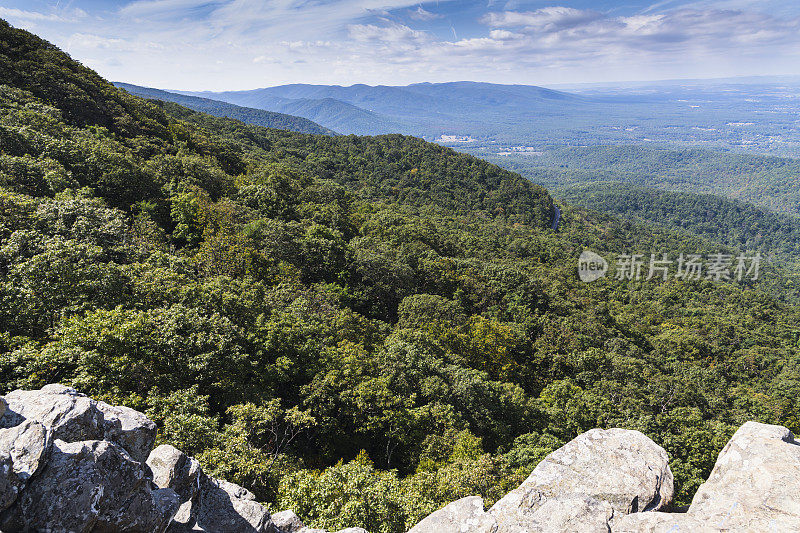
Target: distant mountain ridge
x: 714, y: 115
x: 248, y: 115
x: 425, y: 109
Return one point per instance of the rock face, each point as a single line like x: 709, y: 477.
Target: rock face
x: 71, y: 464
x: 93, y: 486
x: 753, y: 487
x: 593, y: 479
x: 755, y: 482
x: 23, y: 450
x: 617, y: 481
x: 661, y: 523
x: 175, y: 470
x: 71, y: 416
x: 228, y: 508
x: 466, y: 514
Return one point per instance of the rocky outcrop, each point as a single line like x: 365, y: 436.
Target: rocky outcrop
x: 753, y: 487
x: 69, y: 463
x: 175, y: 470
x: 619, y: 481
x: 583, y: 486
x: 466, y: 514
x: 72, y: 464
x: 91, y: 486
x: 228, y: 508
x: 755, y: 482
x: 596, y: 477
x: 71, y: 417
x: 23, y: 450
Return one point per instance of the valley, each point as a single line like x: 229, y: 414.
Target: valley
x: 359, y: 304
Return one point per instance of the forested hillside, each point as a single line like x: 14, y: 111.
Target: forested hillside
x: 256, y: 117
x: 768, y: 182
x: 734, y: 223
x: 359, y: 329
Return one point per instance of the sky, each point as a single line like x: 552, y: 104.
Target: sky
x: 244, y: 44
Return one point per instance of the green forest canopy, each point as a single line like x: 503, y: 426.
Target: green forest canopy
x: 360, y: 329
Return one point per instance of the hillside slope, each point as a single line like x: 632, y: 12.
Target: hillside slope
x: 734, y: 223
x: 256, y: 117
x: 358, y: 329
x: 425, y: 109
x: 765, y: 181
x: 338, y: 115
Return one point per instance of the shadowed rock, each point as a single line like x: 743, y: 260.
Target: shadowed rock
x: 174, y: 469
x: 223, y: 507
x: 93, y: 486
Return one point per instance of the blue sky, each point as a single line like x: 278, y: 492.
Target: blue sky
x: 243, y: 44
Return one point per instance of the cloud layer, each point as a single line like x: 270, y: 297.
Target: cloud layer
x: 234, y: 44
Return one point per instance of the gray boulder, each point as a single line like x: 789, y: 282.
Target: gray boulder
x: 92, y: 486
x: 222, y: 507
x: 23, y: 451
x: 74, y: 417
x: 755, y: 483
x: 128, y: 428
x: 595, y: 478
x: 466, y: 514
x: 287, y: 522
x: 3, y: 406
x: 174, y: 469
x: 660, y: 523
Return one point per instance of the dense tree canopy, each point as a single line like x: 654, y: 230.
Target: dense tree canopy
x: 351, y: 327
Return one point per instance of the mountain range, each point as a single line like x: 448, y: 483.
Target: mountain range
x: 428, y: 110
x: 359, y: 329
x: 248, y: 115
x: 756, y: 116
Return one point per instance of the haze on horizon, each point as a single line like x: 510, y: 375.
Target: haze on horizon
x: 243, y: 44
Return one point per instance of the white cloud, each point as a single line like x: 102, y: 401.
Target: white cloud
x: 237, y: 44
x: 423, y: 15
x: 548, y: 19
x: 25, y: 15
x: 396, y: 33
x: 504, y: 35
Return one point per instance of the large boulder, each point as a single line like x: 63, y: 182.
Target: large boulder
x: 288, y: 522
x: 129, y: 428
x: 23, y: 451
x: 586, y: 484
x: 175, y: 470
x: 466, y: 514
x: 3, y: 406
x: 222, y: 507
x: 74, y: 417
x: 755, y: 483
x: 92, y: 486
x: 660, y: 523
